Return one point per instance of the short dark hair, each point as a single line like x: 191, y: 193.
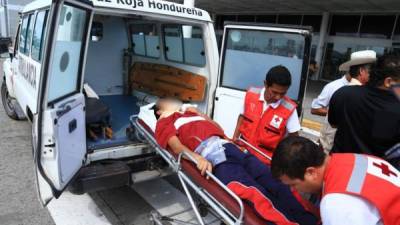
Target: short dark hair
x: 155, y: 108
x: 294, y: 155
x: 354, y: 71
x: 278, y: 75
x: 388, y: 65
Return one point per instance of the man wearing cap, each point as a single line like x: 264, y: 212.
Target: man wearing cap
x: 268, y: 114
x: 357, y: 73
x: 367, y: 117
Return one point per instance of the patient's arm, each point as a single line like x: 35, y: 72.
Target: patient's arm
x: 202, y: 164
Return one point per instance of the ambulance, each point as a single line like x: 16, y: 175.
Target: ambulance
x: 78, y: 70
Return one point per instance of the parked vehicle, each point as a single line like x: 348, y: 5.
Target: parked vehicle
x: 80, y: 69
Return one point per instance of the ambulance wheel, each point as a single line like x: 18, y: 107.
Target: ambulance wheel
x: 7, y: 102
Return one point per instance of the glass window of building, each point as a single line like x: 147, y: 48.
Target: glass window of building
x: 266, y: 18
x: 345, y: 25
x: 245, y: 18
x: 314, y: 21
x: 396, y: 35
x: 339, y: 52
x: 221, y: 20
x: 289, y: 19
x: 375, y: 26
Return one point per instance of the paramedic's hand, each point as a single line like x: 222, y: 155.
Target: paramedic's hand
x: 203, y: 164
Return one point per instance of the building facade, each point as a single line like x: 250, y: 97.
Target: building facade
x: 342, y: 34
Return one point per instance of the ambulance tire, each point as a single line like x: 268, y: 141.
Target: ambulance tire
x: 7, y: 102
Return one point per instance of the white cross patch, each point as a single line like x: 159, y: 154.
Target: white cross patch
x: 384, y: 170
x: 276, y: 121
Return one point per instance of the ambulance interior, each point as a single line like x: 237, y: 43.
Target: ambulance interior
x: 132, y: 60
x: 126, y: 69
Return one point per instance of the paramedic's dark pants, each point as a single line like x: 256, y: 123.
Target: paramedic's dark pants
x: 252, y: 180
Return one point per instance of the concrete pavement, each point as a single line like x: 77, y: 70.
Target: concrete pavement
x: 19, y: 204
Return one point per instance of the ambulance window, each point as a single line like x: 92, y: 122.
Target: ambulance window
x: 145, y: 40
x: 249, y: 54
x: 29, y: 34
x: 38, y: 35
x: 184, y: 44
x: 22, y: 37
x: 66, y: 59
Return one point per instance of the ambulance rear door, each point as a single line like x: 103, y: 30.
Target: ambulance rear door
x: 59, y: 131
x: 248, y: 52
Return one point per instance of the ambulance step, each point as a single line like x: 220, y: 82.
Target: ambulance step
x: 100, y: 177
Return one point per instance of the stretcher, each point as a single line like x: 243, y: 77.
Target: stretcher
x: 227, y: 205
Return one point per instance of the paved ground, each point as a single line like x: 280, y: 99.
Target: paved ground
x: 19, y: 204
x: 312, y: 91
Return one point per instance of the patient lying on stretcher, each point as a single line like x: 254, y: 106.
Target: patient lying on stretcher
x: 190, y: 131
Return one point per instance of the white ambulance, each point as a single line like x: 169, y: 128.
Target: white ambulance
x: 80, y: 69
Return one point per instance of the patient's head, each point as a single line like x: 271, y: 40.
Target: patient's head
x: 165, y: 105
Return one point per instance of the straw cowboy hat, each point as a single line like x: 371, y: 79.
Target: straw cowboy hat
x: 359, y: 58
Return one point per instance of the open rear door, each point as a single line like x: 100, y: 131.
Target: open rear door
x: 59, y: 131
x: 247, y: 54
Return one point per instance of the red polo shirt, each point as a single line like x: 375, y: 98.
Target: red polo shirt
x: 189, y: 127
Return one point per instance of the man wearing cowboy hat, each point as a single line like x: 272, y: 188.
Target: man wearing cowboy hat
x: 358, y: 66
x: 357, y: 73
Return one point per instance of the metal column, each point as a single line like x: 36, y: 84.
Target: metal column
x: 322, y: 37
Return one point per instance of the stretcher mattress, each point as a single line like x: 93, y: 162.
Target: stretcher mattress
x: 250, y: 217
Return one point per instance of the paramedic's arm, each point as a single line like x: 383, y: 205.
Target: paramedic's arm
x: 237, y: 130
x: 202, y: 164
x: 293, y: 124
x: 335, y: 211
x: 239, y: 122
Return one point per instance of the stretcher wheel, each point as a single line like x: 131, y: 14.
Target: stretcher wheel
x: 203, y: 209
x: 134, y: 135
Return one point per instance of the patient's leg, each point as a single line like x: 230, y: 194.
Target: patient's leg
x: 233, y: 173
x: 284, y: 198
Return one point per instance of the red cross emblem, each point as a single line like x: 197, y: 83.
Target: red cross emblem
x: 385, y: 169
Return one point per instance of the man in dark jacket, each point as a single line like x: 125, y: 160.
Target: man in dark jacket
x: 367, y: 118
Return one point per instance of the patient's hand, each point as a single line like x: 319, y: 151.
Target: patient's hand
x: 203, y: 164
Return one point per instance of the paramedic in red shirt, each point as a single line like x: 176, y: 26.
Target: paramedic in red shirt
x: 244, y: 174
x: 356, y: 189
x: 268, y: 115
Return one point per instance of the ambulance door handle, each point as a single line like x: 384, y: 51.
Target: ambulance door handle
x: 63, y: 111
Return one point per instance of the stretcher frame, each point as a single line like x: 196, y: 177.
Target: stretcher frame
x: 175, y: 163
